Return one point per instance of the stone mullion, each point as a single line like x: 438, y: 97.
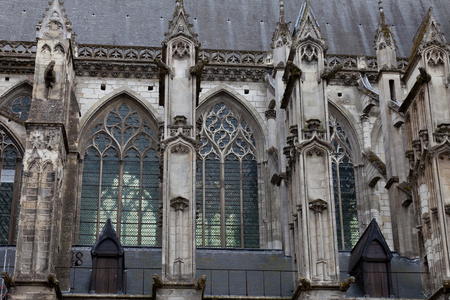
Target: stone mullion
x: 141, y: 166
x: 119, y: 200
x: 99, y: 198
x: 203, y: 203
x: 241, y: 195
x: 11, y: 215
x: 341, y: 217
x: 78, y: 202
x: 222, y: 202
x: 14, y: 200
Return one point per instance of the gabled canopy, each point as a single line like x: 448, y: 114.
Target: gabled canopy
x: 371, y: 239
x: 108, y: 242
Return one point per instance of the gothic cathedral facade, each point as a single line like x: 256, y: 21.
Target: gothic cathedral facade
x: 256, y: 150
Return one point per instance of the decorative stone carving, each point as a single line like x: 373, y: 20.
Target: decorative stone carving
x: 447, y: 209
x: 181, y: 49
x: 318, y: 206
x: 180, y: 148
x: 315, y: 152
x: 271, y: 114
x: 435, y: 57
x: 309, y: 52
x: 179, y: 203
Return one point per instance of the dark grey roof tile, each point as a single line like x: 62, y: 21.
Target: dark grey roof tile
x: 348, y: 25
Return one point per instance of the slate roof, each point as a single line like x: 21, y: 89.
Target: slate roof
x: 348, y: 25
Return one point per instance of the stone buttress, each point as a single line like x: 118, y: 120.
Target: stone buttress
x: 309, y: 163
x: 390, y: 95
x: 427, y: 122
x: 38, y: 242
x: 179, y: 80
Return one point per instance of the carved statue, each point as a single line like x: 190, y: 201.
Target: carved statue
x: 49, y: 75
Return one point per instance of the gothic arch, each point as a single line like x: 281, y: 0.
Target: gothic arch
x: 346, y: 157
x: 223, y: 93
x: 119, y: 172
x: 24, y: 85
x: 351, y: 127
x: 16, y: 101
x: 17, y: 140
x: 232, y: 144
x: 100, y: 104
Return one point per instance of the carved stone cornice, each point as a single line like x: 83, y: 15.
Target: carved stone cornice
x: 220, y: 73
x: 13, y: 65
x: 120, y: 70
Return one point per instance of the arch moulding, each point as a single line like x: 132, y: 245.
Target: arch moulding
x: 250, y: 110
x: 112, y: 96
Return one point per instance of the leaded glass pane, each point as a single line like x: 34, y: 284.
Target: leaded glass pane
x: 233, y: 201
x: 250, y: 202
x: 199, y: 203
x: 212, y: 202
x: 129, y: 183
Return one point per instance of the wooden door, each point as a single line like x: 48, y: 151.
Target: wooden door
x: 377, y: 280
x: 106, y: 275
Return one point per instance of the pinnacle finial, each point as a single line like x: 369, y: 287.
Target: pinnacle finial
x: 179, y: 3
x: 282, y: 20
x: 382, y: 19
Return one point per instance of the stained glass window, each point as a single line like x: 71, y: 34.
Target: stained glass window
x: 227, y: 190
x: 120, y: 179
x: 11, y: 171
x: 344, y: 187
x: 21, y: 107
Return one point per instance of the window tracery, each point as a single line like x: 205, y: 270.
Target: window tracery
x: 21, y: 107
x: 227, y: 190
x: 11, y: 173
x: 120, y: 178
x: 344, y: 187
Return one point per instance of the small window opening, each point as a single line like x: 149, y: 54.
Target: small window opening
x: 103, y: 86
x: 246, y: 91
x: 339, y: 95
x: 6, y: 78
x: 150, y: 88
x: 392, y: 89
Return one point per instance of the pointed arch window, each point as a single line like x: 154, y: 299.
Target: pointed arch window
x: 227, y: 188
x: 344, y: 187
x: 121, y: 178
x: 11, y: 174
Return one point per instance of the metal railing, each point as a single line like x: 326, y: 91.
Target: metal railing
x: 220, y: 282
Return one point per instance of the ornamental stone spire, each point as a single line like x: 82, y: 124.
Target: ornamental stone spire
x: 385, y: 43
x: 55, y: 23
x: 180, y: 24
